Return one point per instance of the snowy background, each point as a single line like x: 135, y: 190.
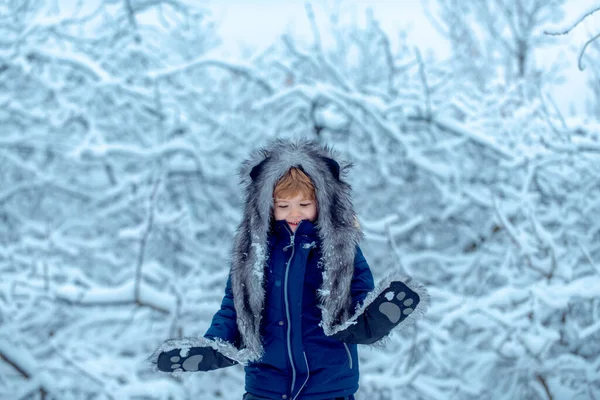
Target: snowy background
x: 476, y: 143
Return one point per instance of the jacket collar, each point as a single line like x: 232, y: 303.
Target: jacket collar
x: 281, y: 230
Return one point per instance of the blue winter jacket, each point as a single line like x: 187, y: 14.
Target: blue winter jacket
x: 299, y: 361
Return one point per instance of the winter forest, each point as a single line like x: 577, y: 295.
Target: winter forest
x: 122, y: 131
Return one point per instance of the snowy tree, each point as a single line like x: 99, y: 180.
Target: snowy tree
x: 121, y: 138
x: 495, y: 39
x: 563, y: 31
x: 594, y: 81
x: 99, y: 199
x: 593, y: 54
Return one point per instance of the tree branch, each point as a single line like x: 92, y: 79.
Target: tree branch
x: 564, y: 31
x: 426, y: 89
x: 144, y: 241
x: 321, y: 55
x: 245, y: 71
x: 541, y: 379
x: 579, y: 60
x: 14, y: 364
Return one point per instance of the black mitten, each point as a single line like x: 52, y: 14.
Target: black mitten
x: 386, y: 312
x: 195, y: 359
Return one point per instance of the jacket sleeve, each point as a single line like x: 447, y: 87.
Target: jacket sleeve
x: 362, y: 281
x: 396, y: 299
x: 224, y: 324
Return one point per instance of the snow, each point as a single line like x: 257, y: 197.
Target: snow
x: 184, y: 351
x: 459, y: 129
x: 332, y: 119
x: 77, y: 59
x: 465, y: 176
x: 160, y: 389
x: 588, y: 331
x: 122, y: 294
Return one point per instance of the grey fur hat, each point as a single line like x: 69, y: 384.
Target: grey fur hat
x: 339, y: 233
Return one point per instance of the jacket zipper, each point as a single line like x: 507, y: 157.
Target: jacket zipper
x: 307, y: 376
x: 349, y: 355
x: 287, y: 310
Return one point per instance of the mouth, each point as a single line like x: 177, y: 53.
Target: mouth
x: 295, y: 223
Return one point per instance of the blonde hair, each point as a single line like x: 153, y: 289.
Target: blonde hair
x: 294, y: 182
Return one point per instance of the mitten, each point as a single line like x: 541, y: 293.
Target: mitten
x: 192, y: 360
x: 193, y: 354
x: 390, y: 308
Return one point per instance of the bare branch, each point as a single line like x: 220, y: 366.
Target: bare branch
x: 580, y: 59
x: 131, y: 14
x: 144, y: 239
x: 426, y: 89
x: 541, y: 379
x: 317, y: 36
x: 429, y: 15
x: 564, y: 31
x: 15, y: 365
x: 389, y: 58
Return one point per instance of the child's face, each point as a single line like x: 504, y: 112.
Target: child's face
x: 295, y: 209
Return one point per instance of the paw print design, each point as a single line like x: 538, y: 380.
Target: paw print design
x: 401, y: 302
x: 192, y: 359
x: 394, y: 310
x: 186, y: 364
x: 188, y: 360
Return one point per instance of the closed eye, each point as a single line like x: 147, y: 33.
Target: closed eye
x: 282, y: 206
x: 306, y: 205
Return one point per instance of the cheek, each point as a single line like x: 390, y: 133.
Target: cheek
x: 279, y: 214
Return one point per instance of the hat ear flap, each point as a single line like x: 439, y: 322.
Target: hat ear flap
x: 333, y: 166
x: 257, y: 169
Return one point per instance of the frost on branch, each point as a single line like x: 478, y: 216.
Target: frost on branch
x: 119, y: 200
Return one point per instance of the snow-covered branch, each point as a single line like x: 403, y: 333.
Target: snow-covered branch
x: 121, y: 295
x: 246, y: 71
x: 119, y: 196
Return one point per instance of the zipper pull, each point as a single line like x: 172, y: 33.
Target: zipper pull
x: 291, y: 243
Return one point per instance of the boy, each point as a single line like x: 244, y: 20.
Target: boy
x: 300, y: 295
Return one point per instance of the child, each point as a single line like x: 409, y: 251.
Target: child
x: 300, y: 294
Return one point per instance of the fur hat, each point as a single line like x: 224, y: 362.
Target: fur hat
x: 336, y: 221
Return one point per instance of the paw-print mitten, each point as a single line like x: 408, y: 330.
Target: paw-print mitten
x: 193, y: 354
x: 192, y: 360
x: 390, y: 307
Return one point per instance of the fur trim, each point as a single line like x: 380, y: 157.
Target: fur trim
x: 227, y: 349
x: 339, y: 234
x: 381, y: 287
